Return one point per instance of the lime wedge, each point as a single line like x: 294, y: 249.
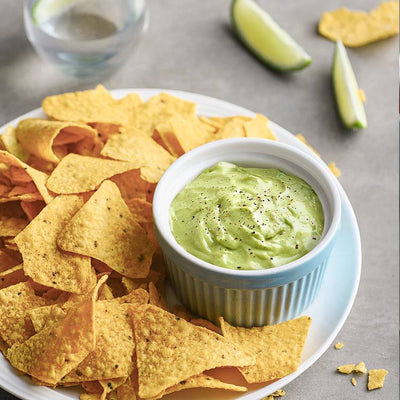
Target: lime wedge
x: 265, y: 38
x: 43, y: 10
x: 347, y: 93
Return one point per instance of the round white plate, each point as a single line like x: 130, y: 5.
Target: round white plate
x: 328, y: 312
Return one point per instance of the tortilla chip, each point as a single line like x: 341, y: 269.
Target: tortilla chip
x: 182, y: 312
x: 131, y: 185
x: 346, y: 369
x: 56, y: 268
x: 161, y: 337
x: 58, y: 349
x: 95, y: 105
x: 232, y: 128
x: 135, y: 146
x: 158, y: 109
x: 360, y: 368
x: 32, y: 208
x: 12, y: 226
x: 39, y: 178
x: 15, y: 301
x: 38, y: 136
x: 8, y: 260
x: 12, y: 276
x: 353, y: 381
x: 155, y: 298
x: 357, y: 28
x: 112, y: 355
x: 376, y: 378
x: 12, y: 145
x: 258, y: 128
x: 205, y: 324
x: 105, y: 229
x: 182, y: 134
x: 277, y: 348
x: 335, y: 170
x: 77, y: 174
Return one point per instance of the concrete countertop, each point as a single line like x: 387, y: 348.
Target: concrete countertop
x: 189, y: 46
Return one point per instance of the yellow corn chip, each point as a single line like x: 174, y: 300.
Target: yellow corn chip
x: 8, y: 260
x: 339, y: 346
x: 155, y: 298
x: 192, y: 348
x: 95, y: 105
x: 12, y: 276
x: 58, y: 349
x: 360, y: 368
x: 11, y: 226
x: 39, y: 178
x: 158, y: 109
x: 346, y: 369
x: 12, y: 145
x: 134, y: 146
x: 56, y: 268
x: 182, y: 134
x: 15, y: 301
x: 357, y: 28
x: 32, y: 208
x: 376, y: 378
x: 77, y: 174
x: 131, y: 185
x: 353, y: 381
x: 38, y: 136
x: 105, y: 229
x: 232, y: 128
x: 277, y: 348
x: 335, y: 170
x: 205, y: 324
x: 258, y: 127
x: 112, y: 355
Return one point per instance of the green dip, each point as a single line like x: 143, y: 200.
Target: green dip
x: 247, y: 218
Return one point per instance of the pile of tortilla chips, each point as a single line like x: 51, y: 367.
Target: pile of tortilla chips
x: 81, y: 273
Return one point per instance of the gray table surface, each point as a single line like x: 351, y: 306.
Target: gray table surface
x: 189, y: 46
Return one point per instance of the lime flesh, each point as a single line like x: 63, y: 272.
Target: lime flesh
x: 349, y: 104
x: 43, y: 10
x: 265, y: 38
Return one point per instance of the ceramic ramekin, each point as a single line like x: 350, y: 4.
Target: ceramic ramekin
x: 244, y: 297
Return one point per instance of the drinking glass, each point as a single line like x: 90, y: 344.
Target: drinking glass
x: 85, y: 38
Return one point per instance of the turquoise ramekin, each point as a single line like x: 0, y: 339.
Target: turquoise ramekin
x: 246, y: 297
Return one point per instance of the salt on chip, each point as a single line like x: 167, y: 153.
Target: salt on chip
x: 161, y: 337
x: 12, y: 144
x: 57, y: 349
x: 43, y: 261
x: 357, y: 28
x: 12, y: 276
x: 95, y: 105
x: 258, y: 128
x: 15, y: 301
x: 277, y: 348
x: 37, y: 177
x: 135, y: 146
x: 38, y: 136
x: 105, y: 229
x: 376, y: 378
x: 77, y: 174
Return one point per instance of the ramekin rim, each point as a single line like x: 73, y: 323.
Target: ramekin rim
x: 243, y: 273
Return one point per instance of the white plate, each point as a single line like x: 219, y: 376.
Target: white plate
x: 328, y: 312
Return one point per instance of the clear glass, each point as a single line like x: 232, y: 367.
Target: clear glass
x: 85, y: 38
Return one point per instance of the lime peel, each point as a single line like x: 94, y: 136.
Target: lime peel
x: 265, y: 38
x: 43, y: 10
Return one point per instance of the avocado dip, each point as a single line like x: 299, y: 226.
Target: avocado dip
x: 247, y: 218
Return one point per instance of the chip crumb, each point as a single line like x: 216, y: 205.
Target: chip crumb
x: 362, y: 96
x: 335, y: 170
x: 346, y: 369
x: 361, y: 368
x: 278, y: 393
x: 353, y: 381
x: 339, y: 346
x: 376, y: 378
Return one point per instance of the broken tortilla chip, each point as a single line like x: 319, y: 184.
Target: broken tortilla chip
x: 38, y: 136
x: 12, y: 276
x: 77, y: 174
x: 56, y: 268
x: 105, y: 229
x: 376, y: 378
x: 258, y: 128
x: 357, y: 28
x: 162, y: 337
x: 277, y: 348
